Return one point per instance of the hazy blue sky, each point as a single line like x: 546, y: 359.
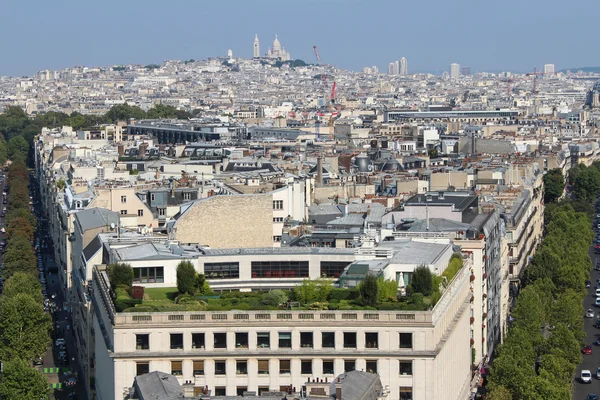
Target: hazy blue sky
x: 431, y: 34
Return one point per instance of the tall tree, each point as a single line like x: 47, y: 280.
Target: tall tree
x: 24, y: 328
x: 18, y: 148
x: 554, y: 185
x: 422, y: 281
x: 21, y: 382
x: 120, y: 274
x: 369, y: 290
x: 22, y: 282
x: 186, y: 278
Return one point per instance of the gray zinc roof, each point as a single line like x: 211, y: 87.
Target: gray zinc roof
x: 95, y: 218
x: 157, y: 385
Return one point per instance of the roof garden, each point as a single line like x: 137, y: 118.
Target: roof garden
x: 317, y: 294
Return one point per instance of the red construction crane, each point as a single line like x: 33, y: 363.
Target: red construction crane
x: 535, y: 74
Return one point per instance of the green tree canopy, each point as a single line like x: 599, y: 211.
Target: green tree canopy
x: 21, y: 282
x: 17, y: 148
x: 554, y: 185
x: 120, y: 274
x: 369, y: 290
x: 21, y: 382
x: 422, y: 280
x: 186, y: 278
x: 24, y: 328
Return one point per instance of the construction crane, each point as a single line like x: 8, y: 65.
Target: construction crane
x: 535, y: 74
x: 332, y: 111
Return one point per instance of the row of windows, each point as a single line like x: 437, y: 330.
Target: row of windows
x: 140, y: 212
x: 285, y: 367
x: 263, y: 340
x: 225, y: 270
x: 280, y: 269
x: 148, y: 275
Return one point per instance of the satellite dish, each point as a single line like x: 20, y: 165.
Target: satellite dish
x: 112, y: 225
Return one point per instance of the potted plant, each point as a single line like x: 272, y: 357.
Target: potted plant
x: 472, y: 342
x: 484, y: 315
x: 472, y: 277
x: 472, y: 320
x: 484, y: 296
x: 485, y: 275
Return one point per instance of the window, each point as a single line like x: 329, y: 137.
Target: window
x: 406, y: 367
x: 162, y: 211
x: 142, y: 368
x: 187, y: 196
x: 280, y: 269
x: 148, y: 275
x: 197, y: 340
x: 152, y: 197
x: 406, y: 341
x: 285, y: 340
x: 220, y: 340
x: 349, y: 365
x: 176, y: 341
x: 306, y: 339
x: 263, y: 340
x: 277, y: 238
x: 241, y: 340
x: 220, y: 391
x: 241, y: 367
x: 284, y: 367
x: 198, y: 367
x: 123, y: 199
x: 176, y: 368
x: 142, y: 341
x: 262, y: 389
x: 328, y: 339
x: 371, y: 366
x: 263, y: 367
x: 277, y: 204
x: 332, y: 269
x: 220, y: 368
x: 277, y: 219
x: 240, y: 390
x: 328, y: 367
x: 349, y: 340
x: 123, y: 212
x: 226, y: 270
x: 140, y: 213
x: 371, y: 340
x: 306, y: 367
x: 406, y: 393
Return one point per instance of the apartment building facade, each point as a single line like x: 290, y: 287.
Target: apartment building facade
x: 419, y: 355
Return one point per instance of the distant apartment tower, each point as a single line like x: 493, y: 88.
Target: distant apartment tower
x: 549, y: 69
x: 394, y: 68
x: 403, y: 66
x: 465, y: 71
x: 256, y: 53
x: 454, y: 71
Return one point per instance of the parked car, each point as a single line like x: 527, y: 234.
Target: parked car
x: 592, y: 397
x: 589, y: 313
x: 588, y: 284
x: 587, y: 350
x: 586, y: 376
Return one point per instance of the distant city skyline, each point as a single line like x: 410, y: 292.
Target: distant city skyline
x: 69, y: 33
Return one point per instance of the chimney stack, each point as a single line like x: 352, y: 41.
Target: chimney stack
x: 320, y: 171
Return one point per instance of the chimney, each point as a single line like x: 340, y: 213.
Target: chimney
x: 188, y: 391
x: 143, y: 148
x: 320, y: 171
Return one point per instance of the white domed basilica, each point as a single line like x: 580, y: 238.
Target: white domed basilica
x: 276, y: 51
